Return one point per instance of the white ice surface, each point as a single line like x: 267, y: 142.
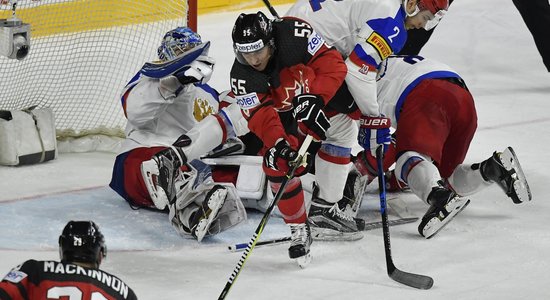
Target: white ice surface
x: 493, y: 250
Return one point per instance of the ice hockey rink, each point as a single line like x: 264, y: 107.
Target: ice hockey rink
x: 493, y: 250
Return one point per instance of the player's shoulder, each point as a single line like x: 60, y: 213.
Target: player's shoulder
x: 206, y: 90
x: 291, y: 32
x: 296, y: 41
x: 244, y: 79
x: 30, y: 264
x: 389, y: 7
x: 23, y: 270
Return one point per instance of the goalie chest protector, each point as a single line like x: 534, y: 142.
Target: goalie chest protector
x: 27, y: 136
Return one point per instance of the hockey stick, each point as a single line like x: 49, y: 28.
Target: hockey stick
x: 242, y: 246
x: 413, y: 280
x: 271, y: 9
x: 368, y: 226
x: 299, y: 160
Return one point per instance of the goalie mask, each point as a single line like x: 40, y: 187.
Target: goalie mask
x: 251, y: 33
x: 178, y: 41
x: 81, y: 241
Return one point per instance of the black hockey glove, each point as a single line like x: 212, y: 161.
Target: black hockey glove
x: 278, y: 159
x: 308, y: 112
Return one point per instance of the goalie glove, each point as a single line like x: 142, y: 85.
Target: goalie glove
x: 374, y: 131
x: 308, y: 112
x: 198, y: 71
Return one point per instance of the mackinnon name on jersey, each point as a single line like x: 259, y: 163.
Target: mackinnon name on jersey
x: 109, y: 280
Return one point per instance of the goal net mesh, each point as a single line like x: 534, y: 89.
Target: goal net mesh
x: 82, y: 53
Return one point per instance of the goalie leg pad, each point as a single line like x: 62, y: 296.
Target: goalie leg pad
x: 211, y: 205
x: 226, y: 211
x: 127, y: 179
x: 160, y: 174
x: 251, y: 182
x: 231, y: 213
x: 353, y: 193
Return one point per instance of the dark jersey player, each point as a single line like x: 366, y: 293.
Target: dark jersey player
x: 82, y: 248
x: 289, y: 84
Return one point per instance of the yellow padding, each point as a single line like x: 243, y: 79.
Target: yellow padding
x: 82, y: 15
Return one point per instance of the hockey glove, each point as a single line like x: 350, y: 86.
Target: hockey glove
x: 374, y: 131
x: 200, y: 70
x: 278, y: 159
x: 310, y: 116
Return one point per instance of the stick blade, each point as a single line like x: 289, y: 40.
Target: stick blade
x: 413, y: 280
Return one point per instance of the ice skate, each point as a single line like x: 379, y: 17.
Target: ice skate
x: 208, y: 211
x: 504, y: 169
x: 300, y: 243
x: 329, y: 223
x: 444, y: 206
x: 159, y: 174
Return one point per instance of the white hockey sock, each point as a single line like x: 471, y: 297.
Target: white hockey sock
x: 467, y: 181
x: 331, y: 179
x: 421, y: 174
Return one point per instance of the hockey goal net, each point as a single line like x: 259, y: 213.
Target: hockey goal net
x: 82, y: 53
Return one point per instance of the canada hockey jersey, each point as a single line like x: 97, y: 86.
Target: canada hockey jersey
x: 301, y: 63
x: 55, y: 280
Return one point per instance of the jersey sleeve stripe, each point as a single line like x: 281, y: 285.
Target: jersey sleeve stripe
x: 360, y: 58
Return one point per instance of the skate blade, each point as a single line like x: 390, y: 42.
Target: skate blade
x: 435, y: 224
x: 303, y: 261
x: 510, y: 162
x: 215, y: 203
x: 324, y: 234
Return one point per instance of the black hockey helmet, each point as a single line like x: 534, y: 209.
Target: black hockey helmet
x: 81, y: 241
x: 251, y: 32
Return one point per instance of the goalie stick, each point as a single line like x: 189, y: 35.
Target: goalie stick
x: 299, y: 160
x: 368, y: 226
x: 413, y: 280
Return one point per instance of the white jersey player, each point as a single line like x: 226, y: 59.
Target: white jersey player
x: 168, y: 104
x: 435, y: 119
x: 366, y: 32
x: 399, y: 74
